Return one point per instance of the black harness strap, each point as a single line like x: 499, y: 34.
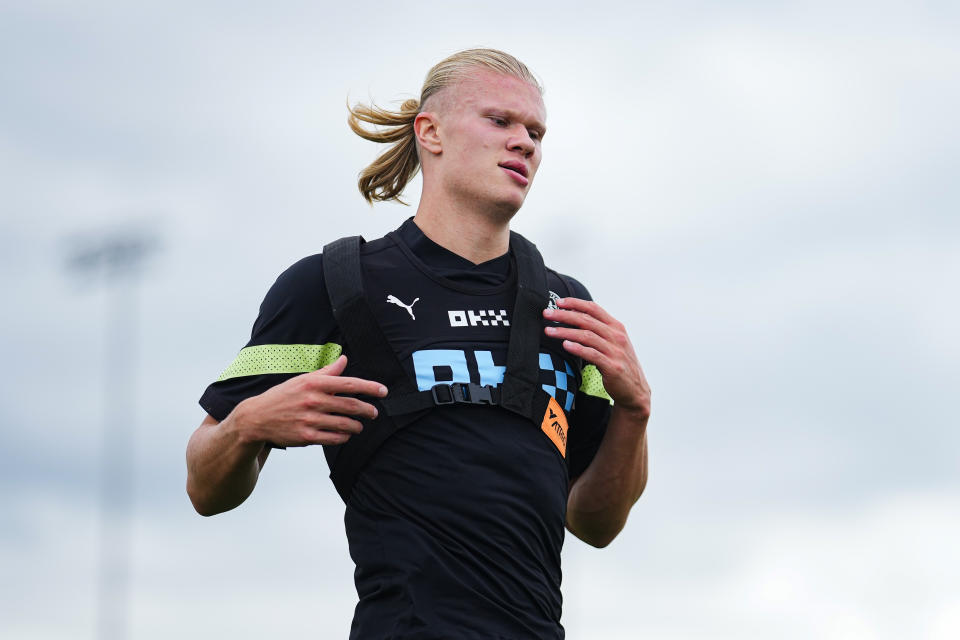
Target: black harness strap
x: 372, y: 357
x: 521, y: 380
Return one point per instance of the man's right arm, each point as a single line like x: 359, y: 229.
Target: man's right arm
x: 222, y: 465
x: 224, y: 458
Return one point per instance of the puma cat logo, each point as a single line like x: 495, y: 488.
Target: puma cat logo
x: 409, y: 307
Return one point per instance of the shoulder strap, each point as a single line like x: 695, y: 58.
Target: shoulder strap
x: 521, y: 386
x: 371, y: 355
x: 567, y: 282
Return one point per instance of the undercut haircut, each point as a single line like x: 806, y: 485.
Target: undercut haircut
x: 387, y: 176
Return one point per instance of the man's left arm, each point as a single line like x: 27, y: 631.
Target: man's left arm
x: 601, y: 497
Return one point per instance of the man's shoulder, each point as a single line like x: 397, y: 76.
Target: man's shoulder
x: 308, y: 268
x: 560, y: 284
x: 308, y: 271
x: 302, y: 277
x: 566, y: 286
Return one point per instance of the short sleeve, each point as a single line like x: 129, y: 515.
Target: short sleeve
x: 591, y: 412
x: 294, y: 333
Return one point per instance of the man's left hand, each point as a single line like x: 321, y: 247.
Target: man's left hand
x: 602, y: 341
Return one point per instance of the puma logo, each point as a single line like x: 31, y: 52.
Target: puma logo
x: 408, y: 307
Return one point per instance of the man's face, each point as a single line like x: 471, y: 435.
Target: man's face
x: 491, y: 129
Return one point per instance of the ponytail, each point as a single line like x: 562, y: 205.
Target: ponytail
x: 386, y: 177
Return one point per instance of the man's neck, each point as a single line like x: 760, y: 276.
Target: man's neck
x: 476, y: 236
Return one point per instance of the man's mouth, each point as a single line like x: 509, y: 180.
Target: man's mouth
x: 518, y: 167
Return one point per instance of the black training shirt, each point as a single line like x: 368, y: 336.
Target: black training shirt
x: 457, y: 522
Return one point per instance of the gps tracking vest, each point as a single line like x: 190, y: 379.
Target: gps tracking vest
x: 372, y: 357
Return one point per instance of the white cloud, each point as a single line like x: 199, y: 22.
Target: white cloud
x: 883, y: 569
x: 887, y: 569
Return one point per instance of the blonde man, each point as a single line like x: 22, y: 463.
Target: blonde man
x: 516, y: 406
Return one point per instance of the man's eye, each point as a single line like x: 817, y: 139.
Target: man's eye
x: 534, y: 135
x: 500, y: 122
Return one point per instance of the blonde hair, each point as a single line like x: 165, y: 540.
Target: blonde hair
x: 387, y: 176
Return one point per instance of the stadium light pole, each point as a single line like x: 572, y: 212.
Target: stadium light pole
x: 116, y: 259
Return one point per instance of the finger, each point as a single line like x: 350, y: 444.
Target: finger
x: 313, y: 436
x: 578, y: 319
x: 335, y: 368
x: 589, y: 354
x: 343, y: 405
x: 582, y: 336
x: 335, y: 423
x: 589, y: 307
x: 358, y: 386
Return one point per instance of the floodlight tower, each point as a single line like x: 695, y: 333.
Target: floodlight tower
x: 116, y: 258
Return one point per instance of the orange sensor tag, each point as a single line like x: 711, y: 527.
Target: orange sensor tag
x: 555, y: 426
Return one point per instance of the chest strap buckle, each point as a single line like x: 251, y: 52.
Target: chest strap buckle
x: 464, y: 393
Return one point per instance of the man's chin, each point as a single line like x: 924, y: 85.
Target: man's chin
x: 508, y: 207
x: 513, y: 200
x: 500, y: 206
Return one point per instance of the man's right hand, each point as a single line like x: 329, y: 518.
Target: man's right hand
x: 224, y: 459
x: 307, y: 409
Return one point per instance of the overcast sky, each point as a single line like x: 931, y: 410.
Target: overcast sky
x: 766, y: 194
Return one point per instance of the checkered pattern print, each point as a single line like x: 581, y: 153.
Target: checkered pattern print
x: 561, y: 383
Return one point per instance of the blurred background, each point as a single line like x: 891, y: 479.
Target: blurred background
x: 766, y: 194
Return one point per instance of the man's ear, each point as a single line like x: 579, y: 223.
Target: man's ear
x: 426, y: 128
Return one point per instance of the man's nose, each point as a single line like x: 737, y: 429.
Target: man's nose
x: 522, y: 142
